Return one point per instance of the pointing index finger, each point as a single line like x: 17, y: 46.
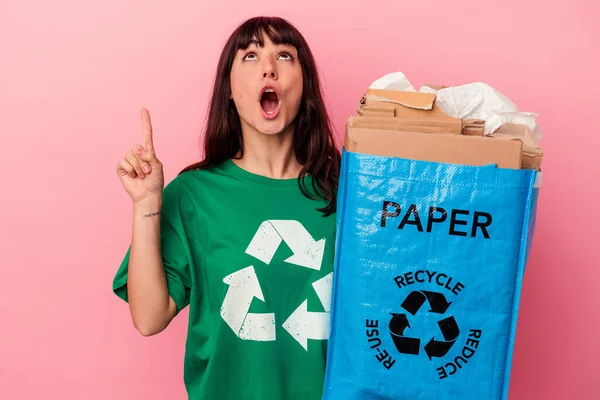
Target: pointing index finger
x: 146, y: 130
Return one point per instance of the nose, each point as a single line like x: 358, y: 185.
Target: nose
x: 270, y: 70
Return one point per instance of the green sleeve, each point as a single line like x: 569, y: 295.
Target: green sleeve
x: 174, y: 248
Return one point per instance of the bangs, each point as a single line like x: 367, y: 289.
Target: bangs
x: 278, y: 31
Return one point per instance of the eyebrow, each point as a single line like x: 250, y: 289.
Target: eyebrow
x: 286, y: 45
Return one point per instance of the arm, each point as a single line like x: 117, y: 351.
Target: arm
x: 141, y: 174
x: 152, y: 309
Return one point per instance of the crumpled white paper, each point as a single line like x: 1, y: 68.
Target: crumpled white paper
x: 393, y: 81
x: 474, y: 100
x: 481, y: 101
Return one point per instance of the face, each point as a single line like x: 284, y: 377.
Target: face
x: 266, y: 87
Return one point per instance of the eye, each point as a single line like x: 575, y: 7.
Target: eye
x: 249, y: 56
x: 286, y: 56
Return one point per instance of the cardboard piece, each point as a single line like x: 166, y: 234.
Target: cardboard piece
x: 377, y: 110
x: 438, y: 125
x: 532, y: 154
x: 473, y: 127
x: 438, y: 147
x: 413, y: 100
x: 407, y: 105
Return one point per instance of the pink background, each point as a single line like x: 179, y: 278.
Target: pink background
x: 74, y: 74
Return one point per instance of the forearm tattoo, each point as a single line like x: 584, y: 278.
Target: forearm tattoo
x: 151, y: 214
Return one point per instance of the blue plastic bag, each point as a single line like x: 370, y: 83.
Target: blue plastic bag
x: 427, y: 279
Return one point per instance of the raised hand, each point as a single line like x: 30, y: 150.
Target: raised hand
x: 141, y: 172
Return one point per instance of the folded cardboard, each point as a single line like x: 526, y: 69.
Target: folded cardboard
x: 532, y: 154
x: 437, y: 147
x: 410, y: 100
x: 405, y: 105
x: 473, y: 127
x: 432, y: 125
x: 377, y: 110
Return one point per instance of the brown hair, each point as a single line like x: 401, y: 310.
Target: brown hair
x: 313, y: 141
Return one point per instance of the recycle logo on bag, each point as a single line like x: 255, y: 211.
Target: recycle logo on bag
x: 447, y: 356
x: 412, y: 304
x: 244, y: 286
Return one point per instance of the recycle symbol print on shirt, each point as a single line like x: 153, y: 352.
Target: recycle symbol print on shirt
x: 244, y: 286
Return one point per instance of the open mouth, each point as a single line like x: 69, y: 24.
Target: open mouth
x: 269, y: 102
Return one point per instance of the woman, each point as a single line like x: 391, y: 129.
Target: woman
x: 245, y: 237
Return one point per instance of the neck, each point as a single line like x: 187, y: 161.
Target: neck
x: 272, y: 156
